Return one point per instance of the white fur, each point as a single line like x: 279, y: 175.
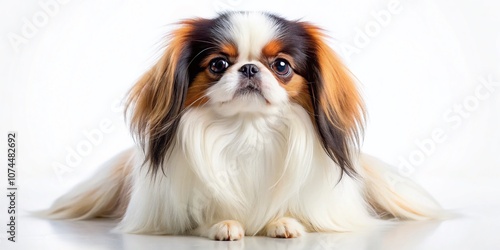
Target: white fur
x: 395, y: 194
x: 226, y: 230
x: 251, y: 31
x: 105, y: 195
x: 285, y: 228
x: 251, y: 174
x: 250, y: 168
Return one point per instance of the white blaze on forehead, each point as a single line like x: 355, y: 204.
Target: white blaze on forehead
x: 251, y: 31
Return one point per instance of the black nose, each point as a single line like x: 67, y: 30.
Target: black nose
x: 249, y: 70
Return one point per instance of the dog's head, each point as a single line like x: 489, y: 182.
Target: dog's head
x: 247, y: 62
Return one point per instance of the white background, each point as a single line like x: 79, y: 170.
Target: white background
x: 417, y: 68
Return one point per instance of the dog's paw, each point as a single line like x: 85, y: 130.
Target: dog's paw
x: 285, y: 228
x: 226, y: 230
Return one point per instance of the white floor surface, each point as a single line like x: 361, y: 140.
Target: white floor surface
x: 476, y: 227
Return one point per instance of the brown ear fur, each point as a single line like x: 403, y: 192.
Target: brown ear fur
x: 157, y: 100
x: 338, y: 107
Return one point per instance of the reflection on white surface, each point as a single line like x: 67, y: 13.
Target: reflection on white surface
x: 473, y: 230
x: 475, y: 227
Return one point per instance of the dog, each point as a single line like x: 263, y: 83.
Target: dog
x: 249, y: 124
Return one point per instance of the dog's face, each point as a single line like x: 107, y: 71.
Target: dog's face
x: 241, y: 63
x: 248, y: 63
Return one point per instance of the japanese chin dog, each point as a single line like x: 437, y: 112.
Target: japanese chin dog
x: 249, y: 124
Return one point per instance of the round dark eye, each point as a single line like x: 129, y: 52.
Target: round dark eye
x: 281, y: 67
x: 218, y: 65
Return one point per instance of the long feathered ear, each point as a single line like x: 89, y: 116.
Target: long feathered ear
x: 338, y: 108
x: 156, y: 101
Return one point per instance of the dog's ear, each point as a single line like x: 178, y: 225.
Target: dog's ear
x: 338, y: 108
x: 156, y: 101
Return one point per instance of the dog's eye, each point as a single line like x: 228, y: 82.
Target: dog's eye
x: 218, y: 65
x: 281, y: 67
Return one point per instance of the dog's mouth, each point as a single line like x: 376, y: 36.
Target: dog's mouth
x: 247, y: 90
x: 249, y: 87
x: 250, y: 92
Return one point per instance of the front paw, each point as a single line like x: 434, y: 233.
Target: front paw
x: 285, y: 228
x: 226, y: 230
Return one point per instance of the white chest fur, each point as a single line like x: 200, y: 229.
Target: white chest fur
x: 252, y: 169
x: 247, y: 167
